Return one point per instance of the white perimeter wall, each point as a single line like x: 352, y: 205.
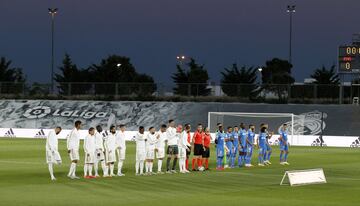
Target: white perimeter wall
x: 297, y: 140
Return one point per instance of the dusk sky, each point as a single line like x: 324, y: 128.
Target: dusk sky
x: 152, y: 33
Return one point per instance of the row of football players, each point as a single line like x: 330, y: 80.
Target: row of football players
x: 179, y: 146
x: 111, y: 148
x: 94, y: 147
x: 239, y: 140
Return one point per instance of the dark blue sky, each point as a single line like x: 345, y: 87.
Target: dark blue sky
x: 152, y: 32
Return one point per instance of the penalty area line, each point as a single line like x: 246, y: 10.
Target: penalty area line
x: 21, y: 162
x: 275, y: 175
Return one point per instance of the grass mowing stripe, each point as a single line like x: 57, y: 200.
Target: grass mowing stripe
x: 24, y: 180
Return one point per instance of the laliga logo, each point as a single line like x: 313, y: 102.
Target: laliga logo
x: 307, y: 123
x: 37, y: 112
x: 42, y: 111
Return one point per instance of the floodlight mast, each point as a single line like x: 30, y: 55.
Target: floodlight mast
x: 291, y: 10
x: 52, y: 12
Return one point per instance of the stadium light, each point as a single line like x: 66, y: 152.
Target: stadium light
x: 260, y: 69
x: 181, y: 57
x: 290, y: 10
x: 52, y: 12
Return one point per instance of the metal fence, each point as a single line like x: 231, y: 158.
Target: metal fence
x: 295, y: 93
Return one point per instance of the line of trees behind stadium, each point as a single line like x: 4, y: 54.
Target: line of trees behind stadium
x: 190, y: 78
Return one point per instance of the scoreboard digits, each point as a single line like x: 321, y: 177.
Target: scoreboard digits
x: 349, y: 59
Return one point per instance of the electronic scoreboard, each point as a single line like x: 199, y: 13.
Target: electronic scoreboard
x: 349, y: 59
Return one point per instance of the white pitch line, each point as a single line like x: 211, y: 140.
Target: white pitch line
x: 218, y: 173
x: 31, y: 163
x: 249, y: 174
x: 274, y: 175
x: 20, y: 162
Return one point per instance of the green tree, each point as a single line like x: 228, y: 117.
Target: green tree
x: 146, y: 85
x: 12, y: 78
x: 118, y: 69
x: 326, y: 76
x: 38, y: 89
x: 71, y: 74
x: 239, y: 82
x: 10, y: 74
x: 191, y: 82
x: 276, y: 76
x: 327, y: 82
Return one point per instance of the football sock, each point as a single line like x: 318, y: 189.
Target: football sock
x: 96, y: 167
x: 141, y: 166
x: 199, y: 162
x: 268, y: 156
x: 120, y: 164
x: 168, y: 163
x: 51, y: 170
x: 137, y: 164
x: 103, y: 165
x: 193, y: 163
x: 151, y: 164
x: 72, y: 169
x: 111, y: 169
x: 90, y: 169
x: 159, y: 165
x: 174, y: 163
x: 85, y: 169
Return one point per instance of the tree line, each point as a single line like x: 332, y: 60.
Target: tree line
x: 190, y: 78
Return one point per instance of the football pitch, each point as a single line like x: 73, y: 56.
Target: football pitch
x: 24, y: 180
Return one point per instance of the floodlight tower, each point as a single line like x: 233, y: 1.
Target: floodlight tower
x: 52, y: 12
x: 291, y: 10
x: 181, y: 59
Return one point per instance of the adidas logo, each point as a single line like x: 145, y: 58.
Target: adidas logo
x: 317, y: 143
x: 40, y: 134
x: 105, y: 134
x: 356, y: 143
x: 10, y: 133
x: 276, y: 142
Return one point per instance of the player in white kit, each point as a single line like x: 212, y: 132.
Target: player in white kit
x: 73, y: 143
x: 89, y: 149
x: 173, y: 149
x: 140, y: 151
x: 110, y: 150
x: 99, y: 151
x: 121, y: 148
x: 183, y: 148
x: 152, y: 139
x: 52, y: 153
x: 160, y: 148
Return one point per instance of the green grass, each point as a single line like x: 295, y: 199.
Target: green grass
x: 24, y: 180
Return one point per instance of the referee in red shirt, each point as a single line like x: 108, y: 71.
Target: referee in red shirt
x: 189, y: 148
x: 198, y: 140
x: 206, y: 153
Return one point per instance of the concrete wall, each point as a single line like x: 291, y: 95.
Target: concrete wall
x: 340, y: 120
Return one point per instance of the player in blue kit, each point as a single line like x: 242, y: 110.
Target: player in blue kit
x: 249, y: 145
x: 220, y: 147
x: 261, y: 143
x: 242, y: 146
x: 229, y: 145
x: 235, y: 137
x: 284, y: 145
x: 268, y: 150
